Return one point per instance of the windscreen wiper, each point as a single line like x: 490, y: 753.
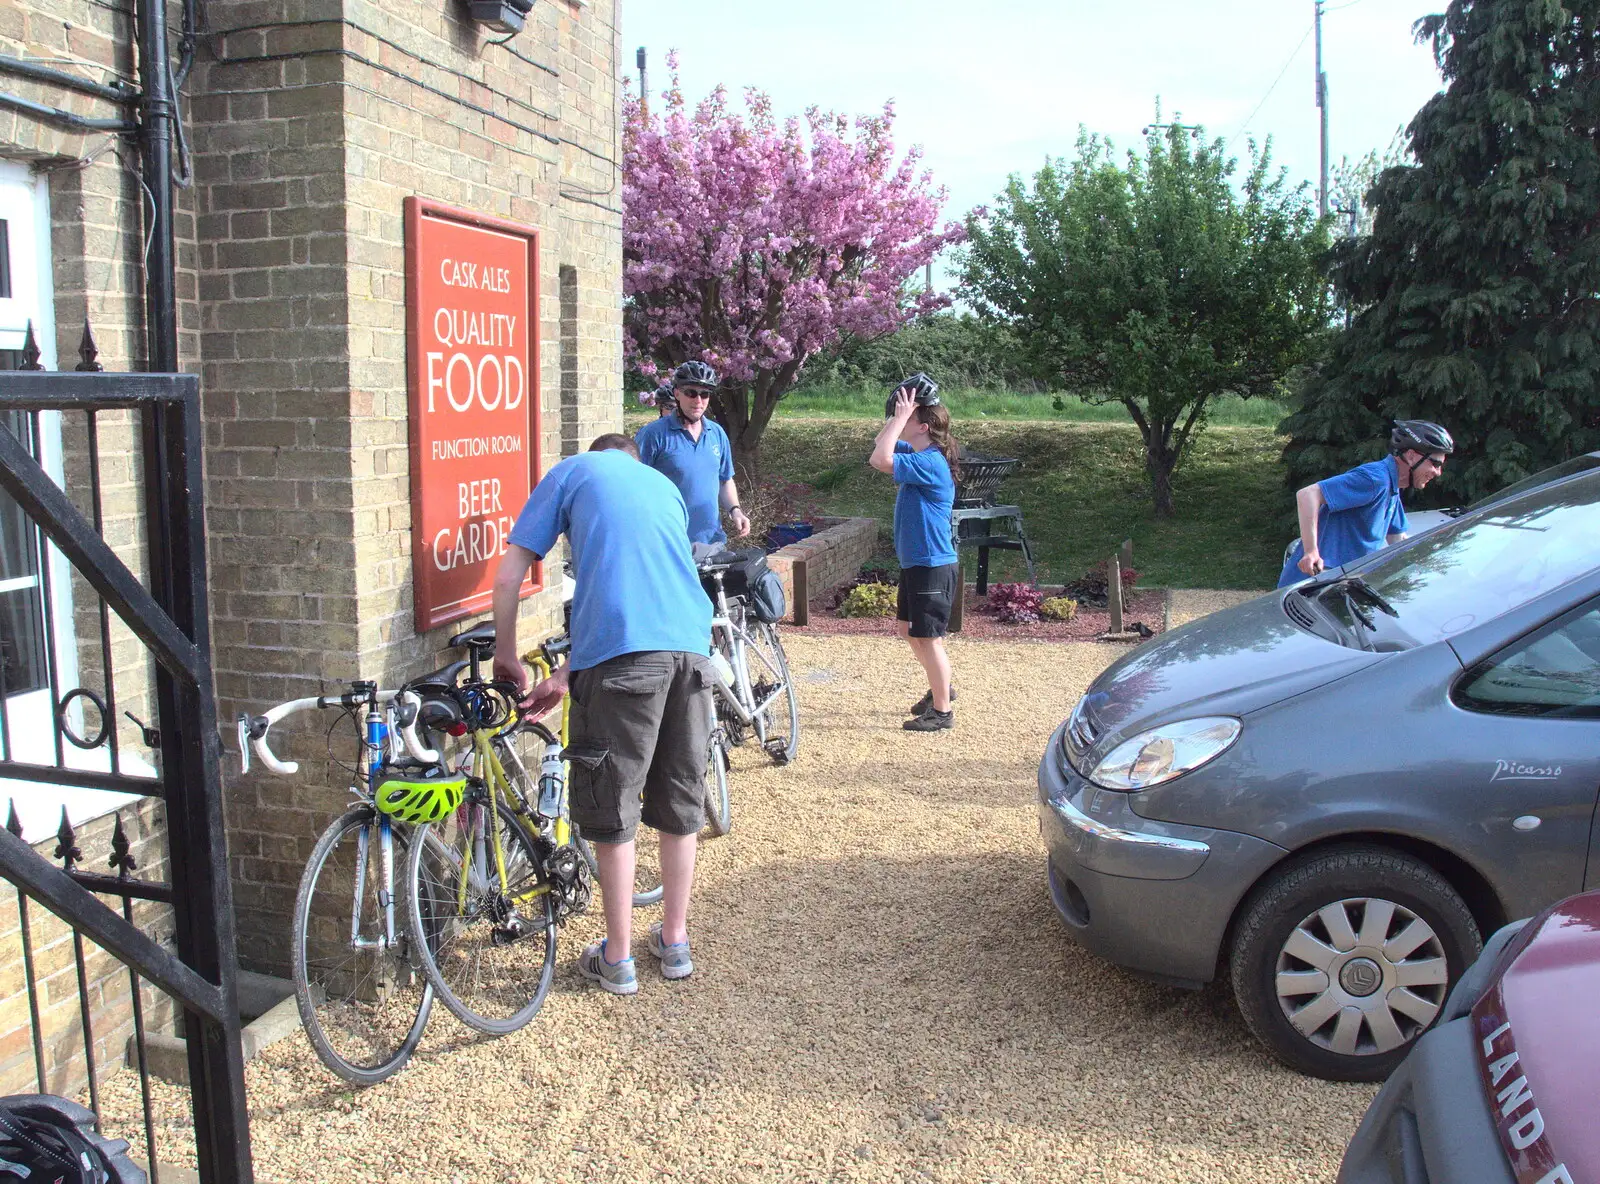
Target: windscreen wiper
x: 1357, y: 593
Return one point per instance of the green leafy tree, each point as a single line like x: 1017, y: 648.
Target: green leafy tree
x: 1157, y: 284
x: 958, y: 349
x: 1477, y: 292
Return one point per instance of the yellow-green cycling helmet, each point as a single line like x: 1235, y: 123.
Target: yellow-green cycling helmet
x: 420, y: 795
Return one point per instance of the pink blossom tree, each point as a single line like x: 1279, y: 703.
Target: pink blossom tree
x: 752, y: 245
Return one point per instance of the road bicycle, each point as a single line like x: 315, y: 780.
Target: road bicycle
x: 754, y: 693
x: 362, y: 999
x: 488, y: 885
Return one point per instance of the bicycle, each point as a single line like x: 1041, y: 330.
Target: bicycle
x: 488, y: 885
x: 753, y: 690
x: 362, y: 1001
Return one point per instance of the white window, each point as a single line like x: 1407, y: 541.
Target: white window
x: 37, y: 642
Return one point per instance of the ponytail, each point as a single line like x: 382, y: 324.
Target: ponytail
x: 937, y: 419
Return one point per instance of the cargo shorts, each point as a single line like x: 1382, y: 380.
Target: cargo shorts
x: 638, y: 736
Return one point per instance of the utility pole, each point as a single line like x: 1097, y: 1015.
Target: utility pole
x: 927, y: 277
x: 1322, y: 106
x: 644, y: 90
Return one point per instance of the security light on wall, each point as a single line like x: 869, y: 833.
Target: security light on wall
x: 503, y: 16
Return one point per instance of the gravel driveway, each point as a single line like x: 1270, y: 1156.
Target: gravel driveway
x: 883, y: 993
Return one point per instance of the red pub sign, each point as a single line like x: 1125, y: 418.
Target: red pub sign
x: 472, y: 317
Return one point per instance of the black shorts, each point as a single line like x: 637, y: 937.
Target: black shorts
x: 926, y: 594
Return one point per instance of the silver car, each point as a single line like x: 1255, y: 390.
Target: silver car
x: 1329, y: 794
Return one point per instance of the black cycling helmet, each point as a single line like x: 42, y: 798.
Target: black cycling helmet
x: 53, y: 1139
x: 695, y: 374
x: 923, y: 389
x: 1419, y: 435
x: 662, y: 398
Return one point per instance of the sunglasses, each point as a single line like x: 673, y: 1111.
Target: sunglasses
x: 689, y: 392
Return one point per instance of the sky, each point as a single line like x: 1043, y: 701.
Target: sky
x: 990, y: 89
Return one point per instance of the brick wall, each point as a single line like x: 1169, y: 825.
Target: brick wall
x: 311, y: 129
x: 309, y: 122
x: 56, y: 976
x: 831, y: 556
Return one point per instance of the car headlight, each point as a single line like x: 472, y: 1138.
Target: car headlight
x: 1163, y: 753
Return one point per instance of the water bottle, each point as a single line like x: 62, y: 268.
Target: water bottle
x: 722, y: 667
x: 551, y: 781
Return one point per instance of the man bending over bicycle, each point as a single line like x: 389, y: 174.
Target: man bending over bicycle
x: 639, y: 680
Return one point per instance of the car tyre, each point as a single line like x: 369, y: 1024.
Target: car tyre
x: 1349, y: 915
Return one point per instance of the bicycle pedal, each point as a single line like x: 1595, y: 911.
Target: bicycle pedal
x: 778, y: 751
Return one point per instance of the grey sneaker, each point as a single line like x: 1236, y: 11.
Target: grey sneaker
x: 933, y: 720
x: 925, y: 704
x: 675, y: 961
x: 618, y: 977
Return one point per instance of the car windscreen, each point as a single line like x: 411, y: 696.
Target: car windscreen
x: 1472, y: 569
x: 1578, y: 464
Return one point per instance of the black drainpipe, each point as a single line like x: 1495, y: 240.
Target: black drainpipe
x: 157, y: 111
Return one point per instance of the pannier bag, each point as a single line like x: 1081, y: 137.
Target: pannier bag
x: 752, y: 579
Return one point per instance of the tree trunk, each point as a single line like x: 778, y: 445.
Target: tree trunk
x: 1160, y: 460
x: 747, y: 461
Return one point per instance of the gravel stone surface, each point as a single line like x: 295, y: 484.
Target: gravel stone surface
x: 882, y: 992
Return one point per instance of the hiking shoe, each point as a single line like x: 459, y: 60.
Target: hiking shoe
x: 932, y: 720
x: 675, y: 961
x: 925, y: 704
x: 616, y: 977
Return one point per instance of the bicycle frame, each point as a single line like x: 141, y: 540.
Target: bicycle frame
x: 729, y: 634
x: 377, y: 732
x: 486, y: 762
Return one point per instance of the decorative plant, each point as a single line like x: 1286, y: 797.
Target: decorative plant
x: 869, y: 600
x: 1094, y: 585
x: 1058, y: 608
x: 1016, y: 604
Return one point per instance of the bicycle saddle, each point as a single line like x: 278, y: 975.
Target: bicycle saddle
x: 445, y: 677
x: 479, y: 637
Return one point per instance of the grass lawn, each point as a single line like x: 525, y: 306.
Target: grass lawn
x: 1082, y: 490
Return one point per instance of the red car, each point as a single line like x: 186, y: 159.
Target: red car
x: 1505, y: 1089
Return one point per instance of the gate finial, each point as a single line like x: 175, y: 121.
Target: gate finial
x: 88, y: 351
x: 66, y: 843
x: 30, y: 350
x: 121, y: 850
x: 14, y: 824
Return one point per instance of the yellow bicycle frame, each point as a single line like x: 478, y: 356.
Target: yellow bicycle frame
x: 493, y: 773
x: 494, y: 776
x: 563, y: 825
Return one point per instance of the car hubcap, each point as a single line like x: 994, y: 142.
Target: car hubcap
x: 1361, y: 976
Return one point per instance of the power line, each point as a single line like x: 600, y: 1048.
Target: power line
x: 1296, y: 53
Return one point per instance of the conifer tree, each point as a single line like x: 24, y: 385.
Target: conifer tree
x: 1477, y: 292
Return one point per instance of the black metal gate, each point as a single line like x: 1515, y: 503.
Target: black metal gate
x: 168, y: 614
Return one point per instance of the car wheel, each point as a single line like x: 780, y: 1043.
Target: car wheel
x: 1341, y: 960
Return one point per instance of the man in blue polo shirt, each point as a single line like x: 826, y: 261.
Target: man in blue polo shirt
x: 639, y: 679
x: 1350, y: 516
x: 695, y: 454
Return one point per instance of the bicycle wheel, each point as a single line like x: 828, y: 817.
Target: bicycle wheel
x: 719, y: 809
x: 491, y: 956
x: 647, y: 887
x: 769, y: 678
x: 363, y: 1002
